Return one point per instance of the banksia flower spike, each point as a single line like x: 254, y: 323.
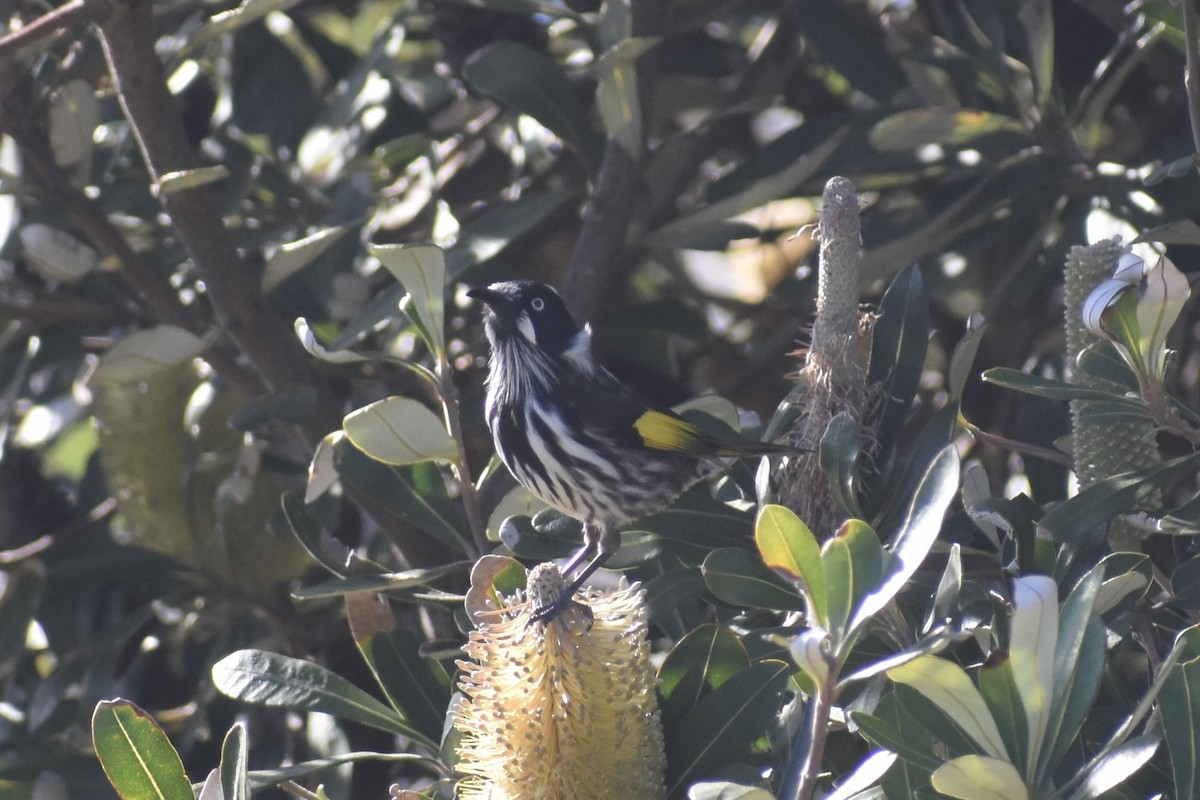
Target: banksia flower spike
x: 832, y: 380
x: 562, y: 710
x: 1102, y: 448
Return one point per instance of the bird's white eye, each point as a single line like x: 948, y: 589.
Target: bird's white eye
x: 537, y: 304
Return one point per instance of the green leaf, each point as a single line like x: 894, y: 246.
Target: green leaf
x: 947, y: 686
x: 20, y: 594
x: 899, y: 342
x: 265, y: 778
x: 421, y: 270
x: 416, y: 687
x: 382, y: 582
x: 866, y: 775
x: 235, y: 759
x: 918, y: 127
x: 136, y: 755
x: 1078, y: 692
x: 1033, y: 634
x: 975, y: 777
x: 918, y: 531
x: 1179, y: 704
x: 1037, y: 18
x: 184, y: 180
x: 415, y: 493
x: 998, y: 685
x: 617, y: 93
x: 738, y: 577
x: 1101, y: 361
x: 324, y: 549
x: 789, y: 547
x: 291, y: 257
x: 144, y: 353
x: 724, y: 790
x: 701, y: 661
x: 270, y: 679
x: 486, y: 236
x: 399, y: 431
x: 1112, y: 770
x: 840, y: 448
x: 962, y: 360
x: 724, y: 723
x: 1048, y: 387
x: 892, y: 728
x: 528, y: 82
x: 1105, y: 499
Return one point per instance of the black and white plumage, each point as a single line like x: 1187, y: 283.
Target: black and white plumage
x: 574, y: 435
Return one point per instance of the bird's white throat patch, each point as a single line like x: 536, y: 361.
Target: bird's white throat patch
x: 526, y: 329
x: 579, y: 352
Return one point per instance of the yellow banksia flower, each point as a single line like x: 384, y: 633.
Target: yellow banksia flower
x: 561, y: 710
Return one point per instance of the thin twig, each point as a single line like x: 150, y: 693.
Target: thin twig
x: 51, y: 24
x: 242, y: 310
x: 462, y: 468
x: 18, y: 120
x: 1024, y: 448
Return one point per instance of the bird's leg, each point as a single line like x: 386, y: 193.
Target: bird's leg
x: 603, y: 541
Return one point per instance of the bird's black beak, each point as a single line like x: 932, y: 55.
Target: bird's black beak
x: 489, y: 296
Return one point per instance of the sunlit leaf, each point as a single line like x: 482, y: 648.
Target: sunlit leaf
x: 398, y: 431
x: 917, y: 127
x: 1034, y: 633
x: 918, y: 531
x: 421, y: 270
x: 136, y: 755
x: 235, y: 754
x: 868, y: 773
x: 531, y: 83
x: 701, y: 661
x: 948, y: 686
x: 789, y: 547
x: 976, y: 777
x: 291, y: 257
x: 146, y: 352
x: 182, y: 181
x: 1116, y: 766
x: 270, y: 679
x: 1179, y: 704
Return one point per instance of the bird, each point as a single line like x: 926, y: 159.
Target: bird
x: 578, y: 437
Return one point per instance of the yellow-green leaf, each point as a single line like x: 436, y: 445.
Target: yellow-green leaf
x: 183, y: 180
x: 788, y: 546
x: 398, y: 431
x: 947, y: 686
x: 144, y: 353
x: 1031, y: 652
x: 421, y: 270
x: 979, y: 778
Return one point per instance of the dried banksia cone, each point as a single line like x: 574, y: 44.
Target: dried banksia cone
x: 1102, y: 448
x: 561, y: 710
x: 833, y: 378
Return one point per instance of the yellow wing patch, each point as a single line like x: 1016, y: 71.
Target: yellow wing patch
x: 665, y: 432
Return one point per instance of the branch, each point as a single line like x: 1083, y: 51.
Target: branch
x: 19, y: 120
x: 259, y: 331
x: 601, y: 241
x: 51, y: 24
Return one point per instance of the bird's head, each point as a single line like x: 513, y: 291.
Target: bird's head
x: 533, y: 313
